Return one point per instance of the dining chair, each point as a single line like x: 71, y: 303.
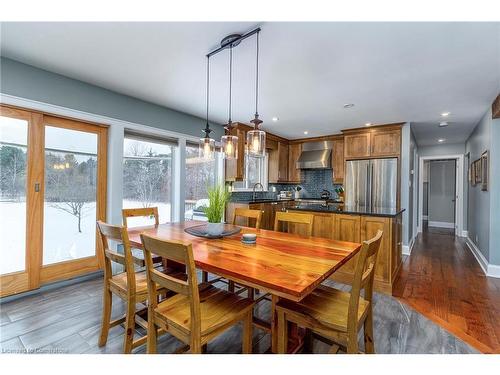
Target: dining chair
x: 247, y: 214
x: 197, y: 313
x: 131, y: 286
x: 334, y: 314
x: 138, y: 254
x: 294, y: 218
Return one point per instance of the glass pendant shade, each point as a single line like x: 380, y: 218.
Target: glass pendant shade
x: 229, y: 146
x: 256, y: 143
x: 206, y: 150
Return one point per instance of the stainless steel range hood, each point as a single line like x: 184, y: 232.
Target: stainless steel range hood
x: 316, y: 155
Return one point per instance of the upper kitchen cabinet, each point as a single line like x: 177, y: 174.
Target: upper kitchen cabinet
x: 278, y: 163
x: 376, y: 141
x: 294, y: 151
x: 235, y: 168
x: 386, y: 143
x: 357, y: 145
x: 338, y: 161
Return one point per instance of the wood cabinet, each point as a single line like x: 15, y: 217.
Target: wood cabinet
x: 357, y: 145
x: 278, y: 164
x: 294, y: 151
x: 378, y: 141
x: 235, y: 168
x: 338, y: 162
x: 385, y: 143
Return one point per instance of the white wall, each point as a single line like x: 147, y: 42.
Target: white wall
x: 441, y: 192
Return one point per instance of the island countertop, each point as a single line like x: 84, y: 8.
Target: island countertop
x: 353, y: 210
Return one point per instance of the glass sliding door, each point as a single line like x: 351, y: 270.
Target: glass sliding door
x: 147, y: 176
x: 15, y: 126
x: 74, y: 197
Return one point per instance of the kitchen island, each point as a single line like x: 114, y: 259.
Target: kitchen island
x: 344, y: 223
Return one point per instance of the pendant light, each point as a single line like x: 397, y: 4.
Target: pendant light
x: 256, y: 138
x: 206, y: 149
x: 229, y: 143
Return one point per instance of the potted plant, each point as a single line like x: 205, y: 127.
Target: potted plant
x: 218, y: 196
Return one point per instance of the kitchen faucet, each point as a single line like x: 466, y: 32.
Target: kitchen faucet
x: 254, y: 186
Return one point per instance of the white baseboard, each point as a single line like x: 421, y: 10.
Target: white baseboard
x: 465, y: 233
x: 490, y: 270
x: 406, y: 249
x: 441, y: 224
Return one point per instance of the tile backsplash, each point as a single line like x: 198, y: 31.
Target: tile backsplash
x: 313, y: 182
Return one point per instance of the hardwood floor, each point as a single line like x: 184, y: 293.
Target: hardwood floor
x: 67, y: 320
x: 442, y: 280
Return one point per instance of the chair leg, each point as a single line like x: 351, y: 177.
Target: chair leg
x: 352, y: 342
x: 282, y: 333
x: 248, y: 333
x: 204, y: 276
x: 230, y: 286
x: 152, y: 334
x: 129, y: 326
x: 251, y: 293
x: 195, y: 346
x: 368, y: 333
x: 106, y: 315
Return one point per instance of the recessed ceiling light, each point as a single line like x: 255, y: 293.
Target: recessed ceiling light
x: 306, y: 132
x: 368, y: 124
x: 441, y: 140
x: 445, y: 114
x: 348, y: 105
x: 275, y: 119
x: 442, y: 124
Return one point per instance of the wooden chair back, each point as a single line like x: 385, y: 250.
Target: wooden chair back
x: 117, y: 233
x: 295, y: 218
x: 364, y: 274
x: 140, y: 212
x: 249, y: 214
x: 181, y: 253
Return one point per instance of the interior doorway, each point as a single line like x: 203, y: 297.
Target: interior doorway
x: 441, y: 195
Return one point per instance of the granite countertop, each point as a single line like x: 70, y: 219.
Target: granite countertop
x: 354, y: 210
x: 272, y: 200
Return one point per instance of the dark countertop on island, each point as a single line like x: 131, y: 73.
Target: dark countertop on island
x: 352, y: 210
x: 275, y: 200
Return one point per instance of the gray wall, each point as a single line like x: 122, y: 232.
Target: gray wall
x: 28, y: 82
x: 408, y: 181
x: 494, y: 188
x: 479, y: 201
x: 442, y: 149
x: 442, y: 191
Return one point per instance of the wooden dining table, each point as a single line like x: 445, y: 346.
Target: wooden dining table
x: 284, y: 265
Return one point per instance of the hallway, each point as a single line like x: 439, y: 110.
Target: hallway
x: 442, y: 280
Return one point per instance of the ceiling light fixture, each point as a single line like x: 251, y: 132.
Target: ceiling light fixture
x: 206, y: 149
x: 275, y: 119
x: 306, y: 132
x: 348, y: 105
x: 368, y: 124
x: 441, y: 140
x: 445, y: 114
x: 442, y: 124
x: 256, y: 138
x: 229, y: 142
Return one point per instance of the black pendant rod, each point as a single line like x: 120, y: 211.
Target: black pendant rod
x: 257, y: 80
x: 230, y: 81
x: 233, y: 42
x: 207, y: 129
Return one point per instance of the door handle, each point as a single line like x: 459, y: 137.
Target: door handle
x: 37, y: 187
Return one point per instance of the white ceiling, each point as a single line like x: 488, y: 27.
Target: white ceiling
x: 392, y: 72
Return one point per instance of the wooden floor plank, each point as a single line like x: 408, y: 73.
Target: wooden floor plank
x: 442, y: 280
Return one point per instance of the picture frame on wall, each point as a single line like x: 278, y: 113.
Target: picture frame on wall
x: 477, y: 169
x: 473, y: 174
x: 484, y: 171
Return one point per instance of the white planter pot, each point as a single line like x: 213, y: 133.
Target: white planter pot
x: 215, y: 229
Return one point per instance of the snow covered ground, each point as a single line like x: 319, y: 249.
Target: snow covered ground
x: 62, y: 241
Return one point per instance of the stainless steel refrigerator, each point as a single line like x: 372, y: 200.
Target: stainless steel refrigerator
x: 371, y: 183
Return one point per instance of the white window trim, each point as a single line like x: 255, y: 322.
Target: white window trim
x: 266, y: 179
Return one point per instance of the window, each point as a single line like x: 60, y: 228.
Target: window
x: 147, y: 175
x: 255, y: 172
x: 200, y: 174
